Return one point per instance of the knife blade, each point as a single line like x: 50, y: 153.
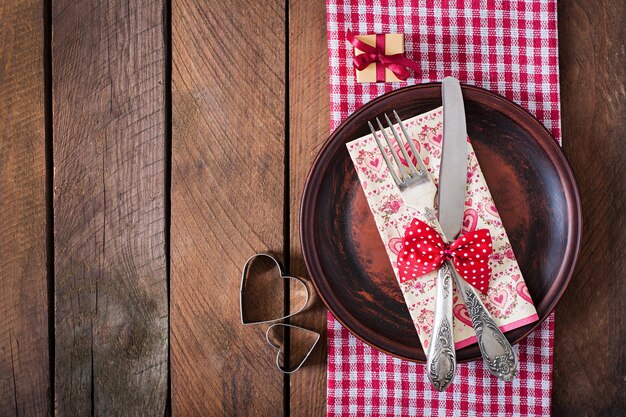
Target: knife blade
x: 495, y: 348
x: 453, y: 171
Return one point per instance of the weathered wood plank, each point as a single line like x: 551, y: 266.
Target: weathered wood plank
x: 309, y: 128
x: 228, y: 88
x: 589, y: 366
x: 24, y: 373
x: 111, y: 311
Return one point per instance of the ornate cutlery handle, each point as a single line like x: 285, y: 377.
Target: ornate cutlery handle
x: 441, y: 362
x: 495, y: 348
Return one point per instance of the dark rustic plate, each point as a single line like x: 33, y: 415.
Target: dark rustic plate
x: 529, y: 178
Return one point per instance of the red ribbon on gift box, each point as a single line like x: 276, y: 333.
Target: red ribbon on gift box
x: 396, y: 63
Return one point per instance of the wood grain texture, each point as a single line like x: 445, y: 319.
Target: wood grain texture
x: 24, y: 373
x: 111, y: 321
x: 228, y: 109
x: 589, y: 360
x: 308, y: 129
x: 228, y: 201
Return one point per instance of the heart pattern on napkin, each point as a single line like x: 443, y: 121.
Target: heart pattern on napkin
x: 461, y: 313
x: 375, y: 163
x: 395, y: 244
x: 436, y: 139
x: 408, y: 150
x: 491, y: 209
x: 522, y: 290
x: 499, y: 298
x: 470, y: 220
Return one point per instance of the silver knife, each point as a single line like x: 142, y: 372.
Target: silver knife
x: 441, y: 358
x: 495, y: 348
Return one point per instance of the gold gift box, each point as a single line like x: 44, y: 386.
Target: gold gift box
x: 394, y: 44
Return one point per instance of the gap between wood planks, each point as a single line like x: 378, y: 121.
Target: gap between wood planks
x: 167, y: 34
x: 286, y: 225
x: 49, y: 197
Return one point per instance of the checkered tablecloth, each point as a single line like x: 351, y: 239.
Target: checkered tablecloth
x: 509, y: 47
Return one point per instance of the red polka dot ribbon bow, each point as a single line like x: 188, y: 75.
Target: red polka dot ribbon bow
x: 423, y: 251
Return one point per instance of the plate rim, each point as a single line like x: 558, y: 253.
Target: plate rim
x: 521, y: 116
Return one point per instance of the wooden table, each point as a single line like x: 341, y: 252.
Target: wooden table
x: 149, y: 148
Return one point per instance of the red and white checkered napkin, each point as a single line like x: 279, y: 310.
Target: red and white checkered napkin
x: 509, y: 47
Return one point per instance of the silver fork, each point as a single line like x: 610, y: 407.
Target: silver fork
x: 418, y: 192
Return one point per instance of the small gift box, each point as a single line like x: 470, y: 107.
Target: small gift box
x: 380, y: 58
x: 389, y: 44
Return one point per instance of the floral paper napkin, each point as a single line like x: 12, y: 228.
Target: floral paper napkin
x: 507, y: 299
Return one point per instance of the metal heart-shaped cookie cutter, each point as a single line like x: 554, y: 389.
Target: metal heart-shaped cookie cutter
x: 287, y: 327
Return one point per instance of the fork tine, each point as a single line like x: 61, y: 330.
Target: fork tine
x: 409, y: 161
x: 403, y: 173
x: 385, y: 158
x: 408, y: 138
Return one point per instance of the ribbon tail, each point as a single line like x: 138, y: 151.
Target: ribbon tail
x: 399, y: 71
x: 398, y: 64
x: 410, y: 63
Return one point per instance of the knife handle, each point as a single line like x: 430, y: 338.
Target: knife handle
x: 441, y: 362
x: 494, y: 346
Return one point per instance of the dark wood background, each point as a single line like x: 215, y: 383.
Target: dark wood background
x: 147, y: 148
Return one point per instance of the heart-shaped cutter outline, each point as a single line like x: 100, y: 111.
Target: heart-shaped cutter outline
x: 281, y: 271
x: 267, y: 338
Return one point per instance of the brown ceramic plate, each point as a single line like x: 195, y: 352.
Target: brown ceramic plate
x: 529, y: 178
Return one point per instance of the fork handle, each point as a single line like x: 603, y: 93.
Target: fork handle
x: 441, y: 362
x: 494, y: 346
